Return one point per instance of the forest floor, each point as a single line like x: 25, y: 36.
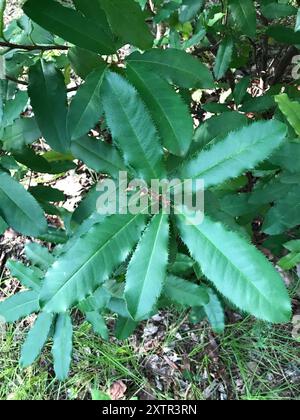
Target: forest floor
x: 168, y: 357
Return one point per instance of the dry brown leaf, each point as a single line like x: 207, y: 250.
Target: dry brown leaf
x: 117, y: 390
x: 296, y: 329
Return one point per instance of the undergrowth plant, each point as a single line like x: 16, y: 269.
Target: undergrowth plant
x: 161, y: 90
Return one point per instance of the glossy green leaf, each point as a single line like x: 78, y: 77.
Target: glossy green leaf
x: 189, y: 9
x: 70, y: 25
x: 259, y: 104
x: 293, y: 259
x: 100, y: 156
x: 293, y: 246
x: 36, y: 339
x: 29, y: 277
x: 48, y: 97
x: 182, y: 266
x: 39, y: 163
x: 239, y: 205
x: 124, y: 328
x: 223, y: 59
x: 278, y: 10
x: 268, y: 192
x: 3, y: 226
x: 19, y: 306
x: 128, y: 22
x: 92, y: 9
x: 283, y: 34
x: 79, y: 271
x: 86, y: 206
x: 284, y: 214
x: 38, y: 255
x: 176, y: 66
x: 217, y: 128
x: 20, y: 134
x: 136, y: 136
x: 14, y: 107
x: 19, y: 209
x: 240, y: 272
x: 147, y: 269
x: 185, y: 292
x: 62, y: 346
x: 84, y: 61
x: 241, y: 150
x: 2, y: 9
x: 164, y: 105
x: 297, y: 27
x: 288, y: 156
x: 44, y: 193
x: 97, y: 302
x: 29, y: 158
x: 215, y: 312
x: 244, y: 15
x: 289, y: 261
x: 54, y: 236
x: 240, y: 90
x: 86, y: 108
x: 98, y: 324
x: 291, y: 110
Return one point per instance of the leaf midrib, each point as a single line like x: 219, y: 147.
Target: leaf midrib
x: 233, y: 156
x: 225, y: 53
x: 24, y: 304
x: 152, y: 171
x: 102, y: 157
x: 150, y: 263
x: 240, y: 5
x: 181, y: 69
x: 62, y: 139
x: 77, y: 32
x: 94, y: 95
x: 227, y: 259
x: 295, y: 116
x: 164, y: 114
x: 111, y: 238
x: 33, y: 219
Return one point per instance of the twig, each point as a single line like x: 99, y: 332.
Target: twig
x: 33, y: 47
x: 283, y: 64
x: 24, y: 83
x: 19, y: 82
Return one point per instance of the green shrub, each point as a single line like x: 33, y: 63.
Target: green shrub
x: 202, y: 90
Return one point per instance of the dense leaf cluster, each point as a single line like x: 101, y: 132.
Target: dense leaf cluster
x: 182, y: 89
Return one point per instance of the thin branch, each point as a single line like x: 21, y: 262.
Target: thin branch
x: 33, y: 47
x: 73, y: 89
x: 283, y: 64
x: 19, y: 82
x: 24, y: 83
